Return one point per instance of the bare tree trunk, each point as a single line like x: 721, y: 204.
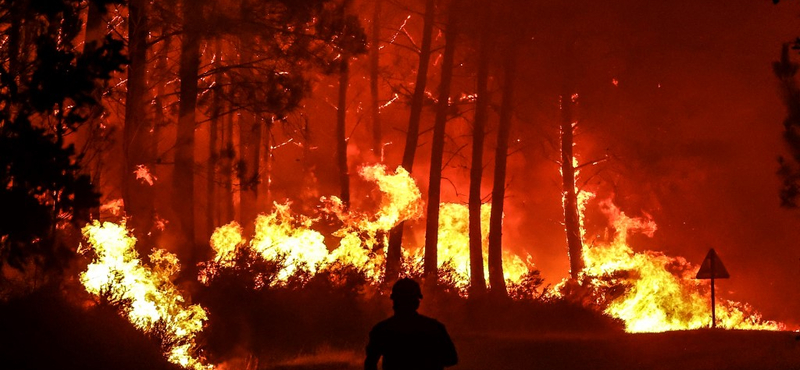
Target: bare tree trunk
x: 571, y: 215
x: 341, y: 124
x: 309, y: 195
x: 265, y: 194
x: 789, y: 172
x: 248, y: 167
x: 496, y: 278
x: 477, y: 279
x: 229, y: 155
x: 412, y: 136
x: 90, y: 133
x: 437, y: 152
x: 213, y: 149
x: 161, y: 119
x: 374, y: 65
x: 183, y: 176
x: 255, y: 158
x: 138, y: 194
x: 211, y: 169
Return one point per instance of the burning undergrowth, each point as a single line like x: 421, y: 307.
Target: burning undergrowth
x: 291, y: 240
x: 145, y: 294
x: 282, y: 288
x: 650, y: 291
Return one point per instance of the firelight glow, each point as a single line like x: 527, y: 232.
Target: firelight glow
x: 363, y: 237
x: 154, y: 301
x: 658, y: 292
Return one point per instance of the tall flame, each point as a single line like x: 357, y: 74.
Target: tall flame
x: 280, y: 235
x: 658, y: 292
x: 147, y: 295
x: 453, y: 245
x: 363, y: 237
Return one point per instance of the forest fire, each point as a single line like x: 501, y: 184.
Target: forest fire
x: 149, y: 299
x: 291, y: 239
x: 649, y: 291
x: 652, y: 292
x: 238, y: 184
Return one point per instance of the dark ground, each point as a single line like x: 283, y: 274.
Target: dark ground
x: 288, y: 330
x: 685, y: 350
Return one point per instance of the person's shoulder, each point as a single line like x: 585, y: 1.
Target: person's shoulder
x: 430, y: 321
x: 384, y: 325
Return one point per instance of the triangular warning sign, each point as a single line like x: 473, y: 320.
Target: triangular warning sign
x: 712, y: 267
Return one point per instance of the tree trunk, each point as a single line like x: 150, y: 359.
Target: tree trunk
x: 161, y: 120
x: 341, y: 139
x: 496, y: 278
x: 374, y: 65
x: 437, y: 153
x: 229, y: 154
x: 394, y: 252
x: 255, y: 158
x: 477, y: 279
x: 789, y: 171
x: 211, y: 169
x: 91, y: 133
x: 265, y: 169
x: 138, y: 194
x: 571, y: 215
x: 183, y: 176
x: 248, y: 167
x: 213, y: 149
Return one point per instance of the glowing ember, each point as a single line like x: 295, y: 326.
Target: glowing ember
x: 143, y: 173
x: 146, y: 295
x: 113, y: 206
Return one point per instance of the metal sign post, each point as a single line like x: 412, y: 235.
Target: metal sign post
x: 712, y: 268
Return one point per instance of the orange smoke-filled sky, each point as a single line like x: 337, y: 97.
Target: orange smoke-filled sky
x: 692, y: 130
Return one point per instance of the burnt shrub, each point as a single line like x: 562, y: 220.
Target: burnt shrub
x: 44, y: 330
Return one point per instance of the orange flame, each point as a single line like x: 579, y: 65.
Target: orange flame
x: 453, y: 245
x: 143, y: 173
x: 659, y: 293
x: 155, y: 302
x: 280, y: 235
x: 363, y: 237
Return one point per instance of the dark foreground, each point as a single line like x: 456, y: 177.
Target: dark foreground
x: 45, y: 331
x: 685, y: 350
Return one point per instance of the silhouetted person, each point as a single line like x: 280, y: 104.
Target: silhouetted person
x: 408, y: 340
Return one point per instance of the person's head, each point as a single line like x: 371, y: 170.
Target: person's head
x: 406, y: 295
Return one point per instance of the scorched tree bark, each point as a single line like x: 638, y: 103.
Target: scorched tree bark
x: 412, y: 136
x: 437, y: 151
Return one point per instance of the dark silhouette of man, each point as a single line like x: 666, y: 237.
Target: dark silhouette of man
x: 408, y: 340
